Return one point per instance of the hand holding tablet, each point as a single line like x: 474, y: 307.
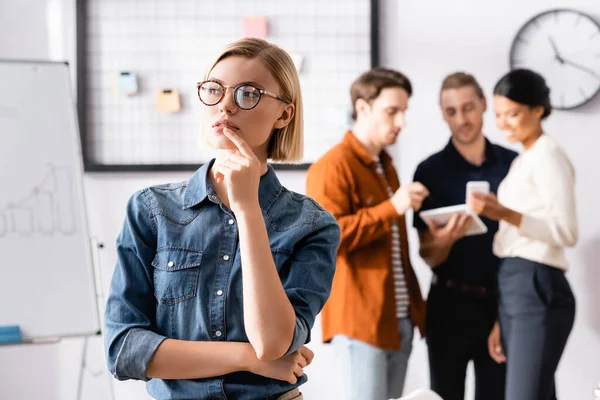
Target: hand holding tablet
x: 440, y: 217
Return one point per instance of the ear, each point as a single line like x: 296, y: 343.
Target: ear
x: 538, y: 111
x: 361, y: 106
x: 484, y: 104
x: 285, y: 117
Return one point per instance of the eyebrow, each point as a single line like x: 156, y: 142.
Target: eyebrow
x: 253, y: 83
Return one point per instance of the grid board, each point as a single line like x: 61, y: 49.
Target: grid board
x: 168, y: 45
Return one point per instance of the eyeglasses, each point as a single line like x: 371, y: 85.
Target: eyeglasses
x: 245, y: 95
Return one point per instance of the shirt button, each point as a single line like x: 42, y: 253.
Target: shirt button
x: 231, y: 222
x: 225, y: 257
x: 218, y: 333
x: 220, y: 293
x: 170, y: 264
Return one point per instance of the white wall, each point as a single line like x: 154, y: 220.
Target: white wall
x: 424, y: 39
x: 430, y: 39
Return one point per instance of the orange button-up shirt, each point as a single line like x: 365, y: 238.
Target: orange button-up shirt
x: 362, y: 304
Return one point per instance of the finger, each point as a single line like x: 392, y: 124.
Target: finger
x: 478, y: 196
x: 292, y: 378
x: 433, y: 228
x: 418, y: 195
x: 239, y: 160
x: 417, y: 187
x: 416, y: 204
x: 232, y: 155
x: 499, y: 356
x: 452, y: 222
x: 464, y: 220
x: 307, y: 353
x: 302, y: 362
x: 231, y: 165
x: 242, y: 146
x: 298, y: 371
x: 220, y: 172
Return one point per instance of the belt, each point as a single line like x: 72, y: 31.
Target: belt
x: 478, y: 291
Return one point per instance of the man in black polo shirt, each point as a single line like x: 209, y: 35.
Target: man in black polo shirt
x: 461, y: 306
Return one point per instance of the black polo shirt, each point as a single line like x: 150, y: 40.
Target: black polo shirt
x: 446, y: 174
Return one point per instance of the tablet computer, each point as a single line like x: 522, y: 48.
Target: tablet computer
x: 441, y: 216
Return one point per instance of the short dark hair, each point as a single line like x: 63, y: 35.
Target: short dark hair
x: 525, y: 87
x: 458, y: 80
x: 369, y: 85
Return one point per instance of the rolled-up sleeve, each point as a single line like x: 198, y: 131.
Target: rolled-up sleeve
x: 130, y: 339
x: 309, y: 276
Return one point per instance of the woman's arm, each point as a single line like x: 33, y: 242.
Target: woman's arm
x: 554, y: 179
x: 179, y: 359
x: 269, y: 317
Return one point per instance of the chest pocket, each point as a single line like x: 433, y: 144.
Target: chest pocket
x: 176, y: 273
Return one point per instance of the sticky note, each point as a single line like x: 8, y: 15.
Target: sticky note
x: 298, y: 59
x: 10, y: 334
x: 127, y: 83
x: 167, y: 100
x: 255, y: 27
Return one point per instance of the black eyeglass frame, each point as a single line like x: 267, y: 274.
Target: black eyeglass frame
x: 261, y: 92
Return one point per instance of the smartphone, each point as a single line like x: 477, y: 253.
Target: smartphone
x: 477, y: 187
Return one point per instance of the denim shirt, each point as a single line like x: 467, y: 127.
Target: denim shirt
x: 179, y: 275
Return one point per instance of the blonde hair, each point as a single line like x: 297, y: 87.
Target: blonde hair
x: 286, y: 144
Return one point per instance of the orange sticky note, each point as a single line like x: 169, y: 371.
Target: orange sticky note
x: 167, y: 100
x: 255, y: 27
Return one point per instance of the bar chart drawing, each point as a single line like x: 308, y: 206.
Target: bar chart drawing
x: 46, y: 209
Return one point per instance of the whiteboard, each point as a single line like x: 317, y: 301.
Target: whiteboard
x: 46, y: 272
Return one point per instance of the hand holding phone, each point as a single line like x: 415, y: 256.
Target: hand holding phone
x: 482, y: 187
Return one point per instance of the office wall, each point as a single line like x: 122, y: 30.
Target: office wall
x: 429, y: 39
x: 426, y: 40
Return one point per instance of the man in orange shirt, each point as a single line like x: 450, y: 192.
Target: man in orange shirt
x: 375, y: 300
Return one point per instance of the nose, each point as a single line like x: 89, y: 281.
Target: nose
x: 460, y: 118
x: 400, y: 120
x: 227, y: 104
x: 501, y: 123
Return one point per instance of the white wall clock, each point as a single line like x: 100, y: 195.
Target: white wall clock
x: 564, y: 47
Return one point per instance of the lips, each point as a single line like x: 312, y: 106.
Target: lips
x: 223, y: 123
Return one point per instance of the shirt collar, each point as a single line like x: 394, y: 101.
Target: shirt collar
x: 455, y: 157
x: 363, y: 155
x: 199, y: 187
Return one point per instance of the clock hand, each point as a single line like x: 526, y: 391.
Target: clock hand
x: 556, y: 53
x: 581, y: 67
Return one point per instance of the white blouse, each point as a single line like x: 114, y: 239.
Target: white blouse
x: 540, y: 186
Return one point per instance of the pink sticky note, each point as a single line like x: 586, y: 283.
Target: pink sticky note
x: 255, y: 27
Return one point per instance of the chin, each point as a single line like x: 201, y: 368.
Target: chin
x: 511, y: 138
x: 219, y: 141
x: 467, y: 138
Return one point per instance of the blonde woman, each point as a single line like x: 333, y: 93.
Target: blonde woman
x: 219, y: 278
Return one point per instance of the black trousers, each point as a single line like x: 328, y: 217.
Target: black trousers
x: 458, y: 326
x: 537, y: 310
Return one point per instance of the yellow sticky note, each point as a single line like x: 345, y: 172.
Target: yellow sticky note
x: 167, y: 100
x: 255, y: 27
